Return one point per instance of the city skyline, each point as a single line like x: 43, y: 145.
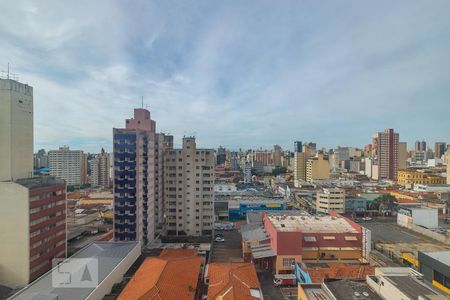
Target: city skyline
x: 237, y: 75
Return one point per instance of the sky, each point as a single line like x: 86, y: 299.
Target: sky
x: 242, y: 74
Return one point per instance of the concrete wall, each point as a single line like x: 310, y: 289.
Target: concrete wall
x: 386, y: 289
x: 14, y: 235
x: 16, y: 130
x: 116, y: 275
x: 425, y: 217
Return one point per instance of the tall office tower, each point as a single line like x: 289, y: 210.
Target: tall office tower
x: 221, y: 155
x: 298, y: 146
x: 32, y: 210
x: 189, y: 193
x: 317, y: 168
x: 134, y: 179
x: 300, y: 159
x: 40, y: 159
x: 247, y: 172
x: 70, y: 165
x: 16, y: 130
x: 402, y: 155
x: 276, y: 154
x: 439, y: 149
x: 388, y: 154
x: 100, y: 167
x: 163, y: 143
x: 420, y: 146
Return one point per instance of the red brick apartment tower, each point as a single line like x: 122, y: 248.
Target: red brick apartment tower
x: 32, y: 228
x: 388, y: 154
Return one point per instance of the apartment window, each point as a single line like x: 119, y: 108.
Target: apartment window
x: 351, y: 238
x: 288, y: 262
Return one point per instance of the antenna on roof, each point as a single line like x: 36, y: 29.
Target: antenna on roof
x: 142, y: 101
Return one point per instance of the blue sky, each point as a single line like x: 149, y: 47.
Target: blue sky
x: 234, y: 73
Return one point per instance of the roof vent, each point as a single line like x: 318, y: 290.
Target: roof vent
x: 357, y: 294
x: 366, y: 294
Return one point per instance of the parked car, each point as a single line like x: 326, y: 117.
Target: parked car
x: 219, y: 239
x: 219, y: 235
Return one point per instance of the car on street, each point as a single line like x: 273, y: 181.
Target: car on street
x: 219, y: 239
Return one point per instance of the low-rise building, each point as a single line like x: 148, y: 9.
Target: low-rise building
x: 89, y: 274
x: 422, y: 216
x: 300, y: 237
x: 173, y: 275
x: 330, y: 199
x: 408, y: 178
x: 435, y: 267
x: 232, y: 281
x: 401, y: 284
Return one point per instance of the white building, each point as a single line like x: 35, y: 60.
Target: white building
x: 189, y: 190
x: 70, y: 165
x: 16, y: 130
x: 330, y: 200
x: 422, y: 216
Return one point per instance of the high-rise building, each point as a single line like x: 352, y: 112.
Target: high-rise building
x: 16, y: 130
x: 163, y: 143
x: 40, y: 159
x: 439, y: 149
x: 262, y: 156
x: 100, y: 166
x: 32, y: 209
x: 317, y: 168
x: 189, y: 192
x: 221, y: 155
x: 298, y: 146
x: 276, y: 155
x: 420, y: 146
x: 388, y: 154
x: 402, y: 155
x: 70, y: 165
x: 134, y: 179
x: 300, y: 159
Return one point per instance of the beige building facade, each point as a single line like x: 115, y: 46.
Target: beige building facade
x: 70, y: 165
x: 330, y: 200
x: 317, y: 168
x: 16, y: 130
x: 189, y: 190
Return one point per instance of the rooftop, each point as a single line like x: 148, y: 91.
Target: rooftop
x: 351, y: 290
x: 172, y: 276
x: 233, y: 281
x: 253, y: 232
x: 108, y: 254
x: 317, y: 224
x: 412, y: 287
x: 339, y: 271
x: 40, y: 182
x: 442, y: 256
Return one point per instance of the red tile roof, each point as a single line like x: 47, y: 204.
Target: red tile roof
x: 340, y: 271
x: 171, y: 276
x: 232, y: 281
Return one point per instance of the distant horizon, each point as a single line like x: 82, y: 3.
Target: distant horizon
x: 239, y: 74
